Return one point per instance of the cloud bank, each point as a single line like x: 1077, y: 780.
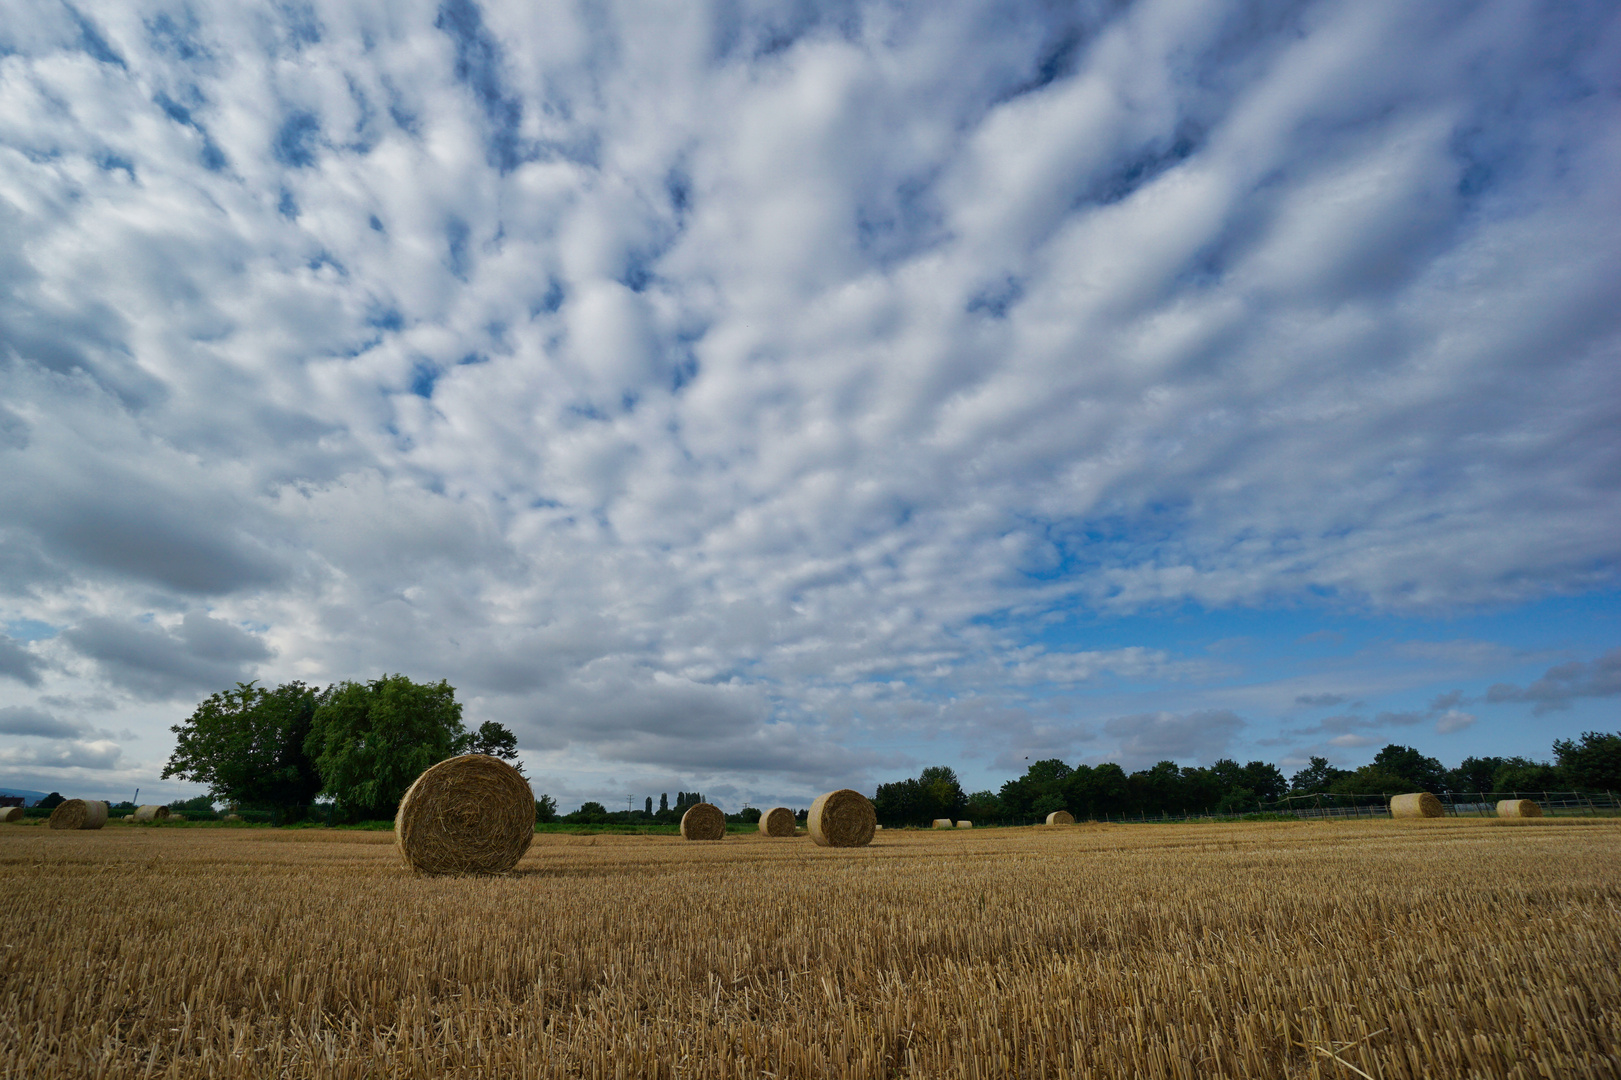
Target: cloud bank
x: 739, y: 389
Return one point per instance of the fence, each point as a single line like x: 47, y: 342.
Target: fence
x: 1456, y: 804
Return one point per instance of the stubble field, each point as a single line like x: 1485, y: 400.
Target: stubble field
x: 1389, y: 950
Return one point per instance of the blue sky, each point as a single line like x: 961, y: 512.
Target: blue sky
x: 759, y: 398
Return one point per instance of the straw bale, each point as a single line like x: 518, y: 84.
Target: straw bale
x: 942, y: 823
x: 79, y: 814
x: 11, y: 813
x: 151, y: 813
x: 965, y: 824
x: 473, y: 814
x: 1520, y: 808
x: 778, y: 821
x: 232, y: 817
x: 703, y: 821
x: 1060, y: 817
x: 1418, y: 804
x: 842, y: 818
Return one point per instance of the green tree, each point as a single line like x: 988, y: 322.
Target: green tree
x: 370, y: 740
x: 1523, y: 774
x: 493, y: 739
x: 545, y: 809
x: 664, y: 802
x: 1475, y: 774
x: 589, y: 813
x: 1420, y: 773
x: 1594, y: 763
x: 1157, y: 790
x: 51, y: 801
x: 1266, y: 780
x: 649, y: 808
x: 942, y: 795
x: 984, y: 806
x: 1091, y: 792
x: 1317, y: 776
x: 247, y: 745
x: 1371, y: 780
x: 934, y: 793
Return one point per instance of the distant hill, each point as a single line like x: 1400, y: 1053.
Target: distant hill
x: 29, y: 797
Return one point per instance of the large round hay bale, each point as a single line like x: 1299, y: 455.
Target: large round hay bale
x: 11, y: 813
x: 965, y: 824
x: 1419, y: 804
x: 942, y: 823
x: 79, y: 814
x: 151, y: 813
x: 703, y: 821
x: 1060, y: 817
x: 778, y: 821
x: 473, y: 814
x: 842, y: 818
x: 1519, y: 808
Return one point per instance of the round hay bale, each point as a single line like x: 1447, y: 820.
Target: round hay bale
x: 232, y: 817
x: 703, y: 821
x: 842, y: 818
x: 1519, y: 808
x: 473, y: 814
x: 965, y: 824
x: 150, y: 813
x: 11, y: 813
x: 1060, y: 817
x: 942, y: 823
x: 1419, y: 804
x: 79, y: 814
x: 778, y: 821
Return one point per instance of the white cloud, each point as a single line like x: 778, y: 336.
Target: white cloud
x: 727, y: 375
x: 1452, y: 721
x: 95, y: 755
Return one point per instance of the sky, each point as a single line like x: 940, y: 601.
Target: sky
x: 764, y: 398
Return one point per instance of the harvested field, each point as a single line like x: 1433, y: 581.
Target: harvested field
x: 1432, y: 948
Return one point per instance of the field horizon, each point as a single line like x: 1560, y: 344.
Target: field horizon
x: 1462, y: 948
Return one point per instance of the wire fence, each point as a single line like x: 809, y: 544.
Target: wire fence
x: 1331, y: 807
x: 1455, y: 803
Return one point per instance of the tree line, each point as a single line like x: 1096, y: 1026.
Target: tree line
x: 357, y: 744
x: 1591, y: 763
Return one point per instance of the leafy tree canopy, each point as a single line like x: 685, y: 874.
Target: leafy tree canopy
x: 1317, y: 776
x: 1372, y: 780
x: 1420, y: 773
x: 247, y: 745
x: 1475, y: 774
x: 1592, y: 763
x: 493, y: 739
x: 371, y: 740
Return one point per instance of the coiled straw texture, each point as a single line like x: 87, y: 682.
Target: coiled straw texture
x: 11, y: 813
x: 79, y: 814
x: 151, y: 813
x: 473, y: 814
x: 1520, y: 808
x: 703, y: 821
x: 1060, y: 817
x: 778, y: 821
x: 842, y: 818
x: 1419, y: 804
x: 942, y: 823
